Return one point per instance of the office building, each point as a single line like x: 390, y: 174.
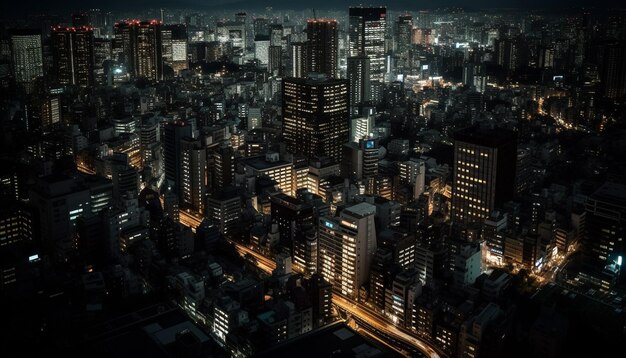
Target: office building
x: 613, y: 76
x: 605, y: 227
x: 360, y: 162
x: 174, y: 39
x: 262, y: 49
x: 315, y: 116
x: 484, y: 172
x: 275, y: 64
x: 224, y: 208
x: 323, y: 42
x: 360, y: 87
x: 26, y: 53
x: 347, y: 245
x: 270, y: 165
x: 171, y: 137
x: 404, y: 28
x: 139, y: 47
x: 366, y: 37
x: 73, y: 54
x: 299, y: 59
x: 193, y: 174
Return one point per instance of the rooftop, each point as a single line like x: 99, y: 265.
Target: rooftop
x: 361, y: 210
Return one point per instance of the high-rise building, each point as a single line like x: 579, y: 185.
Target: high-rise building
x: 27, y: 57
x: 139, y: 46
x: 506, y: 52
x: 276, y: 34
x: 171, y: 137
x: 224, y: 208
x: 294, y: 219
x: 360, y: 162
x: 275, y: 63
x: 262, y: 49
x: 347, y: 245
x: 193, y: 174
x: 261, y: 26
x: 404, y: 32
x: 359, y: 77
x: 59, y: 201
x: 73, y: 53
x: 366, y: 35
x: 361, y: 127
x: 174, y: 39
x: 614, y: 71
x: 484, y: 172
x: 299, y: 59
x: 323, y: 46
x: 315, y: 116
x: 16, y: 224
x: 605, y: 226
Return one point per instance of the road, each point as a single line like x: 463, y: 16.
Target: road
x: 364, y: 315
x: 378, y: 325
x: 188, y: 218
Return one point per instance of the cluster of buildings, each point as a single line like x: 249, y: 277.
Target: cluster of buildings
x: 456, y: 175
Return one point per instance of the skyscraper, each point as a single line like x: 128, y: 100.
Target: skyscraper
x: 138, y: 45
x: 27, y: 57
x: 315, y: 116
x: 73, y: 53
x: 614, y: 71
x: 346, y: 248
x: 174, y: 39
x: 171, y: 137
x: 323, y: 46
x: 404, y: 31
x: 193, y: 174
x: 299, y: 59
x: 605, y: 226
x: 484, y: 172
x: 359, y: 77
x: 366, y: 35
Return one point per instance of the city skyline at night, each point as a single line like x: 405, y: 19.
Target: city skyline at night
x: 234, y: 178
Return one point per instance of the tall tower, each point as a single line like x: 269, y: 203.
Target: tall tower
x: 605, y: 227
x: 366, y: 37
x: 323, y: 46
x: 359, y: 77
x: 484, y: 172
x: 614, y: 71
x: 404, y: 30
x: 193, y: 174
x: 299, y: 59
x: 27, y: 57
x: 171, y: 137
x: 139, y: 45
x: 73, y: 53
x: 174, y: 39
x: 346, y: 248
x: 315, y: 116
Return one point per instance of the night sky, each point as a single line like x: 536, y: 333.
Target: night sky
x: 57, y: 5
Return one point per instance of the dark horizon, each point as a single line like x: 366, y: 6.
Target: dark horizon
x: 121, y: 6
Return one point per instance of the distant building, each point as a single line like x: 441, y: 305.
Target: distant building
x: 139, y: 47
x: 323, y: 43
x: 73, y: 54
x: 26, y: 52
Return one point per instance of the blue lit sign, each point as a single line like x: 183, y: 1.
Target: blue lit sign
x: 329, y: 224
x: 369, y: 144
